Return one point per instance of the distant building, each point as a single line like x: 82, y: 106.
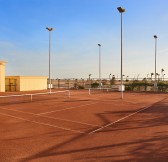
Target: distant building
x: 20, y: 83
x: 25, y: 83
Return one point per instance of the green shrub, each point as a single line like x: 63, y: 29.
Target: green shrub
x: 95, y: 85
x: 80, y: 87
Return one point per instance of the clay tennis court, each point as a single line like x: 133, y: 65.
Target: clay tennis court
x: 85, y: 128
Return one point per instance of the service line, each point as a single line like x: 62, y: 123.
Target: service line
x: 41, y: 123
x: 48, y: 117
x: 74, y: 107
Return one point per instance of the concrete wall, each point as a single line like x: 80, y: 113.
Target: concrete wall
x: 28, y: 83
x: 33, y: 83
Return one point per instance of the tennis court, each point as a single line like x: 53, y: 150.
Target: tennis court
x: 80, y: 126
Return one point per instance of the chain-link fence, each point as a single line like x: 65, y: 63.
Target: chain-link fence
x: 130, y: 84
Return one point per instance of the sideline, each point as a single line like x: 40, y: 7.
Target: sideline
x: 96, y: 130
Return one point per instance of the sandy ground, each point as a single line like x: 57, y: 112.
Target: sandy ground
x: 85, y: 128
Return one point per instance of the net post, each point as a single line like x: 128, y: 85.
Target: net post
x: 89, y: 91
x: 31, y: 97
x: 69, y: 93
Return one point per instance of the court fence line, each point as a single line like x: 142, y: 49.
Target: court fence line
x: 131, y: 84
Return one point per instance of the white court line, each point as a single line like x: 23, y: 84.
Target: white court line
x: 67, y: 129
x: 119, y: 120
x: 51, y: 117
x: 74, y: 107
x: 70, y: 121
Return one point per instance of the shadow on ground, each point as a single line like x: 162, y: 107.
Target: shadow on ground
x: 149, y: 149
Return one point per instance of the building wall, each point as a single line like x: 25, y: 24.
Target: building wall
x: 26, y: 83
x: 33, y: 83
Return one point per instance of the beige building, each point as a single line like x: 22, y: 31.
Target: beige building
x: 20, y: 83
x: 2, y: 76
x: 25, y: 83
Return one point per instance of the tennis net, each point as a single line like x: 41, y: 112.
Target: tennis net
x: 21, y: 98
x: 99, y: 90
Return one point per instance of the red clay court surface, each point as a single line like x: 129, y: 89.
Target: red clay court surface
x: 96, y: 128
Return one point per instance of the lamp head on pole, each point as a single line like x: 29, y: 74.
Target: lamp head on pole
x: 155, y: 36
x: 121, y: 10
x: 49, y: 29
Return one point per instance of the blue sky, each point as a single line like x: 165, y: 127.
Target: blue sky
x: 79, y: 26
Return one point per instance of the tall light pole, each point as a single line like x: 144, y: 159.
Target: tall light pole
x: 49, y: 29
x: 99, y: 65
x: 89, y: 76
x: 155, y: 84
x: 121, y: 10
x: 90, y: 80
x: 110, y: 80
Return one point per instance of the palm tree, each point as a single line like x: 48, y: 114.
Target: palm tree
x: 109, y: 76
x: 147, y: 76
x: 162, y: 70
x: 152, y: 75
x: 158, y: 75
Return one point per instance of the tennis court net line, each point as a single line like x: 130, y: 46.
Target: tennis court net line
x: 33, y: 97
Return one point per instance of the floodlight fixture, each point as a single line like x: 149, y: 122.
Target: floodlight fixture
x: 49, y: 29
x: 121, y: 10
x: 155, y: 36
